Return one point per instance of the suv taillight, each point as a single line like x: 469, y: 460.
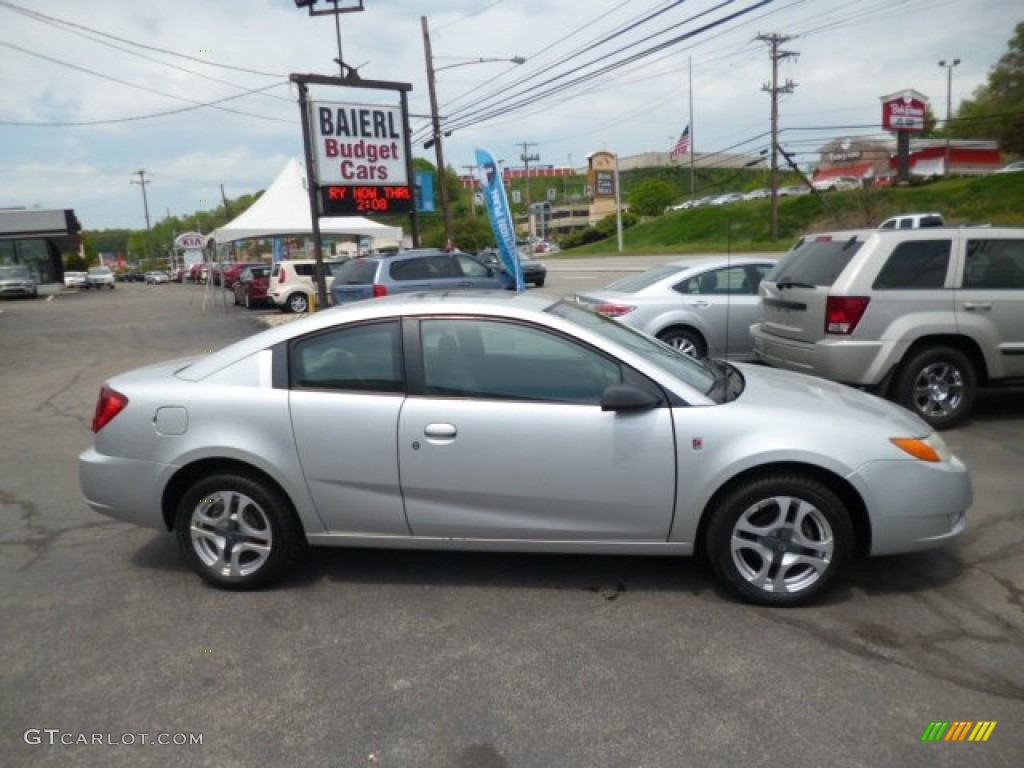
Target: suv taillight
x: 379, y: 290
x: 282, y: 274
x: 110, y: 403
x: 842, y: 313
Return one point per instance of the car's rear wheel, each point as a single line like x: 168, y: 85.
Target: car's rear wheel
x: 298, y: 303
x: 939, y: 384
x: 780, y: 540
x: 685, y: 341
x: 238, y: 532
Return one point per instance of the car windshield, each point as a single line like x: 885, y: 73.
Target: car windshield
x: 635, y: 283
x: 356, y: 272
x: 14, y: 272
x: 698, y: 374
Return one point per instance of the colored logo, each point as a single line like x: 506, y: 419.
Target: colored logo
x: 958, y: 730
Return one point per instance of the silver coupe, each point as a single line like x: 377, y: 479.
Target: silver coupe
x: 414, y: 421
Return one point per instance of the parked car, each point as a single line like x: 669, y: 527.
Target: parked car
x: 250, y: 288
x: 292, y: 286
x: 398, y: 422
x: 913, y: 221
x: 17, y: 280
x: 129, y: 277
x: 417, y: 270
x: 836, y: 184
x: 99, y: 277
x: 922, y: 316
x: 535, y: 272
x: 156, y: 278
x: 726, y: 199
x: 1012, y: 167
x: 793, y: 190
x: 73, y: 279
x: 230, y: 273
x: 700, y: 306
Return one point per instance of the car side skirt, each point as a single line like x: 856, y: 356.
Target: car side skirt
x: 501, y: 545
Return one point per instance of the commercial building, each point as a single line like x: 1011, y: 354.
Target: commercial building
x: 37, y: 238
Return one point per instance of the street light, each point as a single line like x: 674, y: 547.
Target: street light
x: 435, y: 124
x: 949, y: 102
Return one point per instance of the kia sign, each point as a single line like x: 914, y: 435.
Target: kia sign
x: 358, y: 144
x: 190, y: 241
x: 904, y: 111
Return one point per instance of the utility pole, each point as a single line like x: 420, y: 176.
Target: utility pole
x: 527, y: 157
x: 435, y: 135
x: 948, y: 65
x: 141, y: 173
x: 773, y: 88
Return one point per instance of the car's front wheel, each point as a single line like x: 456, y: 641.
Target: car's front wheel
x: 685, y: 341
x: 298, y: 303
x: 238, y: 532
x: 939, y: 385
x: 779, y: 540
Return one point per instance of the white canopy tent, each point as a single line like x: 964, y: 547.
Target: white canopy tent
x: 284, y: 210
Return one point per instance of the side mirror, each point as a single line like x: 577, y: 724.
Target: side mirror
x: 626, y: 397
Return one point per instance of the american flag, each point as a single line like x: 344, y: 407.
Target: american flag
x: 682, y: 146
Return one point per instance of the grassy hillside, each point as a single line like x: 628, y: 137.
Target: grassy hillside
x: 746, y: 226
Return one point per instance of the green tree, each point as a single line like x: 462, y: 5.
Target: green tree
x: 996, y: 109
x: 650, y: 198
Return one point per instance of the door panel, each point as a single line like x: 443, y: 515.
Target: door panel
x: 501, y: 469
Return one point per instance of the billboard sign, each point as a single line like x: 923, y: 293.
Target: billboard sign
x: 904, y: 111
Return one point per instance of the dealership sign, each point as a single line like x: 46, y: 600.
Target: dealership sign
x: 359, y: 152
x: 190, y: 241
x: 904, y: 111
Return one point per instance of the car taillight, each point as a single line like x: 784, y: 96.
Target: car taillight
x: 282, y: 275
x: 613, y: 310
x: 842, y: 313
x: 110, y: 403
x: 379, y: 290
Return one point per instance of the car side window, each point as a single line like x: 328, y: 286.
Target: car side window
x: 511, y: 361
x: 412, y: 269
x: 997, y: 264
x: 915, y: 264
x: 364, y: 358
x: 720, y: 282
x: 471, y: 267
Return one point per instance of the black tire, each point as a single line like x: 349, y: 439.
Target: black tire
x: 939, y: 384
x: 752, y: 543
x: 539, y: 283
x: 298, y: 303
x: 237, y: 532
x: 685, y: 341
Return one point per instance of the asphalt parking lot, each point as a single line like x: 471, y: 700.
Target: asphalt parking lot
x: 397, y: 659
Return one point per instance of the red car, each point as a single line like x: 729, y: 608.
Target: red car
x: 232, y: 273
x: 251, y: 287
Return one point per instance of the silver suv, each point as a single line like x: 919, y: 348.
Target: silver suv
x: 922, y: 316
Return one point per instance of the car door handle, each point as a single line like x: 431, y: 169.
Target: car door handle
x: 440, y: 431
x: 699, y: 303
x: 977, y: 306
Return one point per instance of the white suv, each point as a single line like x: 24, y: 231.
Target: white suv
x: 922, y: 316
x: 292, y: 287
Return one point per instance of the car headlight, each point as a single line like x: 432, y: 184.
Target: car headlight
x: 930, y: 448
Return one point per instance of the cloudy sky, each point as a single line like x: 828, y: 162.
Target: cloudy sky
x: 196, y: 92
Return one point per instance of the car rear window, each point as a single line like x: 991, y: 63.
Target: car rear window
x: 635, y: 283
x: 915, y: 265
x: 815, y: 262
x: 356, y: 272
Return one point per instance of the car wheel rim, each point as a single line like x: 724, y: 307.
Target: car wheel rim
x: 683, y: 345
x: 298, y: 304
x: 782, y: 544
x: 939, y: 389
x: 231, y: 534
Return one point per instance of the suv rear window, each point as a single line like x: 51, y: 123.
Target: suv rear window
x: 356, y: 272
x: 915, y: 264
x: 815, y: 262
